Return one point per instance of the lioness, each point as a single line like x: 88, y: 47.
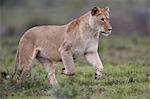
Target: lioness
x: 50, y: 44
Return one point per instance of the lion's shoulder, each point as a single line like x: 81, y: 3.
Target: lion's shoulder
x: 73, y: 25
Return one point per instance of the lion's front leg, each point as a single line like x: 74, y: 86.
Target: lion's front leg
x: 67, y: 59
x: 94, y: 60
x: 69, y: 68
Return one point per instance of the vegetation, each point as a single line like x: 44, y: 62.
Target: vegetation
x: 126, y: 73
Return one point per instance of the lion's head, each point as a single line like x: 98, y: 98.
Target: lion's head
x: 99, y: 20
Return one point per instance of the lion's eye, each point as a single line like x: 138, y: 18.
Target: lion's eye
x: 102, y: 19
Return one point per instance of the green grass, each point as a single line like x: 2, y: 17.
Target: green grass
x: 126, y: 73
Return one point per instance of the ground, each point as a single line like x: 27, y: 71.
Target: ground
x: 126, y: 73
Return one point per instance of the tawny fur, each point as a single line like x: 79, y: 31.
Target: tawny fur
x: 53, y: 43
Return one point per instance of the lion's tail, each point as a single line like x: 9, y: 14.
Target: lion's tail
x: 16, y: 61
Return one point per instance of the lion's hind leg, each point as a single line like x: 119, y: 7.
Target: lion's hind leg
x: 27, y: 65
x: 50, y: 68
x: 26, y: 59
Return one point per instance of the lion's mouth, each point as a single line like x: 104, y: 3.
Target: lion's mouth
x: 105, y: 34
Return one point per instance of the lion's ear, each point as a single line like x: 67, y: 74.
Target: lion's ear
x: 107, y: 9
x: 94, y: 11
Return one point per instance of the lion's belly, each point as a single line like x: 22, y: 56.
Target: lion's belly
x: 49, y: 53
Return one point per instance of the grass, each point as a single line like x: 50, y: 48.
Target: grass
x: 126, y: 73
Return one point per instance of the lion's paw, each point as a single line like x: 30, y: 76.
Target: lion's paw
x: 98, y: 76
x: 65, y: 72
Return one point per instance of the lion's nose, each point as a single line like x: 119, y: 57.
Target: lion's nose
x: 110, y: 29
